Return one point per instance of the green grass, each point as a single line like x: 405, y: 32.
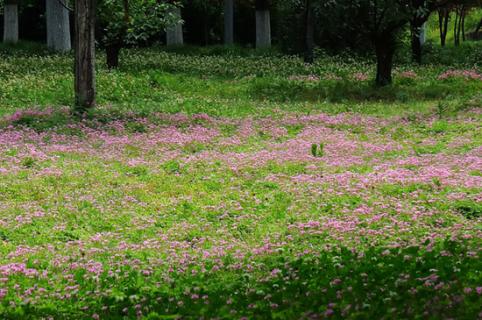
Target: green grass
x: 226, y: 85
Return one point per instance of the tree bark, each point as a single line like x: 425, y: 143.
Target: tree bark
x: 444, y: 17
x: 58, y: 26
x: 228, y: 22
x: 174, y: 34
x: 10, y: 21
x: 423, y: 33
x: 263, y: 24
x: 84, y: 55
x: 415, y: 43
x: 463, y: 25
x: 384, y: 48
x: 309, y: 32
x: 112, y: 53
x: 479, y: 26
x: 458, y: 25
x: 263, y: 29
x: 417, y: 31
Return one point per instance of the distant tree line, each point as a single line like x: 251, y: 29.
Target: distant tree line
x: 205, y: 21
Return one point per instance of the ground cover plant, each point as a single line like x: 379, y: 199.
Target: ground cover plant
x: 234, y: 184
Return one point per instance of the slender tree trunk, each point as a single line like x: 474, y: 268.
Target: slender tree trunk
x: 384, y: 48
x: 263, y: 29
x: 84, y: 55
x: 479, y: 26
x: 228, y: 22
x: 58, y: 26
x: 446, y: 26
x: 463, y: 25
x: 459, y: 27
x: 174, y: 34
x: 444, y: 17
x: 10, y: 21
x: 423, y: 33
x: 456, y: 28
x: 309, y: 32
x: 416, y: 43
x: 441, y: 16
x: 263, y: 24
x: 112, y: 55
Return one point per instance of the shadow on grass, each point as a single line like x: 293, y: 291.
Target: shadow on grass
x: 220, y: 50
x: 26, y: 49
x: 65, y: 121
x: 432, y: 281
x: 350, y: 91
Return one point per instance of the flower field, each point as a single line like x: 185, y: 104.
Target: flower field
x: 229, y: 197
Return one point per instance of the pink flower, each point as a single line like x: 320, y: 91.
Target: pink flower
x: 468, y: 290
x: 331, y: 76
x: 309, y: 78
x: 466, y: 74
x: 359, y: 76
x: 329, y: 312
x: 94, y: 267
x: 3, y: 293
x: 410, y: 74
x: 275, y: 272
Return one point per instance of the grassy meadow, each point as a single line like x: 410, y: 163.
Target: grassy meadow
x: 216, y: 183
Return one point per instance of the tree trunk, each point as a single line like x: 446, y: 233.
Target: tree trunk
x: 10, y: 21
x: 444, y: 17
x: 385, y: 48
x: 174, y: 34
x: 423, y: 33
x: 479, y: 26
x: 112, y: 52
x: 58, y: 26
x: 416, y: 43
x: 457, y: 27
x: 84, y: 55
x: 228, y: 22
x: 456, y: 30
x: 263, y: 29
x: 463, y: 25
x: 309, y: 32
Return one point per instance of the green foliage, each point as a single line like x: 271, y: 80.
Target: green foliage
x: 132, y: 22
x: 469, y: 209
x: 318, y: 150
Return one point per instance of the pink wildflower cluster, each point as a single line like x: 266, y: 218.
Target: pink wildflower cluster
x: 360, y: 76
x: 17, y: 268
x: 466, y: 74
x: 332, y: 76
x: 308, y: 78
x: 409, y: 74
